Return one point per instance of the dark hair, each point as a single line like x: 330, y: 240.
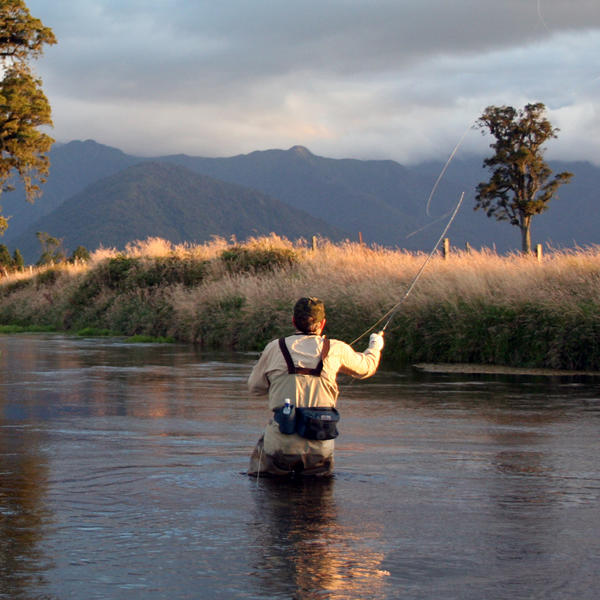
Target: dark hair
x: 308, y: 313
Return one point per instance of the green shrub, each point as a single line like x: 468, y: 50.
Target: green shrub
x: 122, y: 271
x: 139, y: 312
x: 95, y: 332
x: 171, y: 270
x: 240, y: 259
x: 84, y: 293
x: 219, y: 322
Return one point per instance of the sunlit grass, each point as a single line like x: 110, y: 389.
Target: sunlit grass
x: 471, y: 306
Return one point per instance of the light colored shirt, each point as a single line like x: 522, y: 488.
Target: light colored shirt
x: 270, y: 375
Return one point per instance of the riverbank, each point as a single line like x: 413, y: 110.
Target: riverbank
x: 474, y: 307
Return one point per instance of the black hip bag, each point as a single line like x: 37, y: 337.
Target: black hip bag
x: 312, y: 423
x: 317, y: 423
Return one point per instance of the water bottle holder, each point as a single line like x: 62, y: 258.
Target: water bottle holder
x: 286, y: 422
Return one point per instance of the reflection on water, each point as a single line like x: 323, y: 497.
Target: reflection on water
x: 304, y: 542
x: 23, y: 515
x: 121, y: 476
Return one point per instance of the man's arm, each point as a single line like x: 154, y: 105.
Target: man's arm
x: 362, y: 364
x: 258, y: 382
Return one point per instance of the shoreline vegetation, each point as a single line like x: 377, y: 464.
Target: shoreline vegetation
x: 473, y: 307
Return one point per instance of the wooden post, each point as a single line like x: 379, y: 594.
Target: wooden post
x: 314, y: 242
x: 539, y: 252
x: 360, y: 238
x: 468, y: 247
x: 446, y: 248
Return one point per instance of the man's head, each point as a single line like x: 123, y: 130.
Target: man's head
x: 309, y: 315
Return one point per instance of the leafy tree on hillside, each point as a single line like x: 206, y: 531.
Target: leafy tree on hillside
x: 10, y: 263
x: 520, y: 186
x: 52, y: 249
x: 18, y: 261
x: 6, y: 261
x: 23, y: 106
x: 80, y: 253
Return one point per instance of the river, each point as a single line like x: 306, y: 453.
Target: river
x: 122, y: 476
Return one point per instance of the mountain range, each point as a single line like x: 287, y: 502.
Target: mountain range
x: 97, y: 195
x: 172, y: 202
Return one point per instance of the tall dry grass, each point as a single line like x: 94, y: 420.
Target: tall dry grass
x: 477, y: 306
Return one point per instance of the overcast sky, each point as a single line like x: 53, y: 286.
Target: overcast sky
x: 398, y: 79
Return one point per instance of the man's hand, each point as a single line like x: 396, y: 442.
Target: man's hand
x: 376, y: 341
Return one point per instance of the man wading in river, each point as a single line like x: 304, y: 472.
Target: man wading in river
x: 299, y: 374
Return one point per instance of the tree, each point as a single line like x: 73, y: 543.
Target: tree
x: 18, y: 261
x: 81, y: 253
x: 520, y: 186
x: 23, y: 106
x: 6, y: 261
x: 52, y: 249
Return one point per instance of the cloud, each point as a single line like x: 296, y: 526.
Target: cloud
x: 390, y: 78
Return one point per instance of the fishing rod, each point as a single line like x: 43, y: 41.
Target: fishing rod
x: 388, y: 316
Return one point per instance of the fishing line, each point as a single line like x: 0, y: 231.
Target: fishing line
x: 541, y: 17
x: 444, y: 216
x: 441, y: 175
x: 390, y: 314
x: 387, y: 317
x: 259, y: 462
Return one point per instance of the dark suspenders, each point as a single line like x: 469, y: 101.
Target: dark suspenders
x: 292, y: 369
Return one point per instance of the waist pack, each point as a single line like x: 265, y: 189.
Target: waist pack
x: 312, y: 423
x: 317, y: 423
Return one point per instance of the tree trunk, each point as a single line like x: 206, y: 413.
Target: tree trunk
x: 526, y: 235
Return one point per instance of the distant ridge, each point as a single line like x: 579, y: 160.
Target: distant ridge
x: 73, y: 167
x: 376, y: 198
x: 168, y: 201
x: 385, y: 201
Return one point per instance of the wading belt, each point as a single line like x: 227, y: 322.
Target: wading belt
x: 293, y: 370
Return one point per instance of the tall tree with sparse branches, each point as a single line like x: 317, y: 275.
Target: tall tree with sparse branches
x: 521, y: 185
x: 24, y: 108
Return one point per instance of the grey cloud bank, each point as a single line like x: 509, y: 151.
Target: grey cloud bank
x: 382, y: 79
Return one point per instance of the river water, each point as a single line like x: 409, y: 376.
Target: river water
x: 122, y: 476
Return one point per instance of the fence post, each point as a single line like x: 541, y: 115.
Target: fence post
x: 446, y: 248
x: 360, y: 238
x: 539, y: 252
x: 468, y: 248
x: 314, y: 242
